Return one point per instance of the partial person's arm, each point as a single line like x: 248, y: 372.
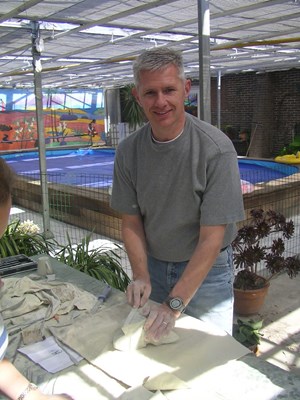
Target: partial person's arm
x: 139, y: 289
x: 161, y: 319
x: 13, y: 384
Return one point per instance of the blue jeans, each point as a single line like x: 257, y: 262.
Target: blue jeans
x: 213, y: 301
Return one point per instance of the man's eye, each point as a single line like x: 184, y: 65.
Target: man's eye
x: 149, y: 93
x: 169, y: 90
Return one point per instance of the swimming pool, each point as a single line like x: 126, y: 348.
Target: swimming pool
x: 82, y: 167
x: 256, y: 171
x: 94, y: 167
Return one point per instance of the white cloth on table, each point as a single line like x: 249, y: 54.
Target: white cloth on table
x: 24, y: 300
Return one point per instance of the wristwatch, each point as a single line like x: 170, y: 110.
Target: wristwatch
x: 175, y: 303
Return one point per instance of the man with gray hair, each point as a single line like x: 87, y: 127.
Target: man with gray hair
x: 177, y: 185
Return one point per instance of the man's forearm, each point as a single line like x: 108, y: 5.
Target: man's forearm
x: 199, y: 265
x: 135, y: 244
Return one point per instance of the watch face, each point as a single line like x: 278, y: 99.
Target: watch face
x: 176, y: 303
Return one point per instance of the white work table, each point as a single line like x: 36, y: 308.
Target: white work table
x: 246, y: 377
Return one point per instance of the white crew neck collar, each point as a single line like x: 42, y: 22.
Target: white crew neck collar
x: 167, y: 141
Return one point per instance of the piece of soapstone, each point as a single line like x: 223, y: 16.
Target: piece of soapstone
x: 132, y: 335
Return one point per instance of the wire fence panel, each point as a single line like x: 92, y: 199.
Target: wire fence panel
x: 81, y: 206
x: 75, y: 211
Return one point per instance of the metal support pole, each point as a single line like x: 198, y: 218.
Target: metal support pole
x: 204, y: 60
x: 219, y: 100
x: 37, y: 69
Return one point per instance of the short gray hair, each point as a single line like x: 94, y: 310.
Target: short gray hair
x: 155, y: 59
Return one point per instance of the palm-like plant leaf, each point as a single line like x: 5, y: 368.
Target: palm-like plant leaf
x: 14, y: 242
x: 131, y: 110
x: 100, y: 263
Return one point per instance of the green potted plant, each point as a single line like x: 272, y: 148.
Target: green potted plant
x: 247, y: 332
x: 100, y: 263
x: 131, y: 111
x: 260, y: 244
x: 24, y: 238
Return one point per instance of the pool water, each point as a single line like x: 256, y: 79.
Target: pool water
x: 83, y: 167
x: 94, y: 167
x: 256, y: 171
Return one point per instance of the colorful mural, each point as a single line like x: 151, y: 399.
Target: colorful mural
x: 67, y: 115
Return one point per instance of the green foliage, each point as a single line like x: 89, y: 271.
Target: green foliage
x: 231, y: 132
x: 291, y: 148
x: 247, y: 332
x: 132, y: 113
x: 100, y: 263
x: 16, y: 240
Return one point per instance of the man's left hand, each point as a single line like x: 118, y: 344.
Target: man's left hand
x: 160, y: 321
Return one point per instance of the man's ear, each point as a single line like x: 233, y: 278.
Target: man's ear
x: 135, y: 94
x: 187, y: 87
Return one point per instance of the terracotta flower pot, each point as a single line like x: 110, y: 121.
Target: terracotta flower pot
x: 249, y: 302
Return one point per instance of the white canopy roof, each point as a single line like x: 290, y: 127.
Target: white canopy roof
x: 91, y: 43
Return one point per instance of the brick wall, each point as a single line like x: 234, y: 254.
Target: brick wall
x: 266, y: 104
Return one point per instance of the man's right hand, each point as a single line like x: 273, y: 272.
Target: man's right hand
x: 138, y: 292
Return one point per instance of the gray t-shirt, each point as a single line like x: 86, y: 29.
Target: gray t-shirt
x: 178, y: 186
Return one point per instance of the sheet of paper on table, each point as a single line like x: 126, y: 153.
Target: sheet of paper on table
x: 200, y: 349
x: 50, y: 355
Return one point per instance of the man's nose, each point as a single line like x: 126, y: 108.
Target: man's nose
x: 160, y: 99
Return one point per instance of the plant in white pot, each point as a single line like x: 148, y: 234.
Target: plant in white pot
x: 261, y: 244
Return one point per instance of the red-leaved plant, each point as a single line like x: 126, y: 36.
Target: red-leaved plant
x: 251, y: 249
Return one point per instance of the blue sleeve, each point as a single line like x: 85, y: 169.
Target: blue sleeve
x: 3, y: 339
